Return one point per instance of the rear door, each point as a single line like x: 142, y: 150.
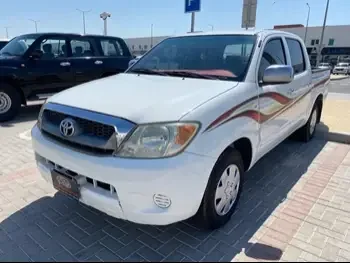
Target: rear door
x: 52, y: 72
x: 84, y: 61
x: 275, y: 101
x: 115, y: 55
x: 302, y: 82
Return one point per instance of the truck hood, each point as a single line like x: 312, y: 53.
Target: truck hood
x: 143, y: 98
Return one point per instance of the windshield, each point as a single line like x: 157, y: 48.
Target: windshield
x: 343, y: 65
x: 18, y: 46
x: 213, y: 57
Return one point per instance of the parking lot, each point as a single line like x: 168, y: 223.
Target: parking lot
x: 294, y: 206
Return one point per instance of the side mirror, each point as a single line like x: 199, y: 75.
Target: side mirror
x: 36, y: 54
x: 278, y: 74
x: 132, y: 62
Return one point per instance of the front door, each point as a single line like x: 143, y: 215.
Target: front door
x: 51, y: 73
x: 275, y: 101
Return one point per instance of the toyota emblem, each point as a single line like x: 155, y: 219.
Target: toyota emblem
x: 67, y: 127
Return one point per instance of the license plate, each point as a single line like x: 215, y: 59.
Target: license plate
x: 65, y: 184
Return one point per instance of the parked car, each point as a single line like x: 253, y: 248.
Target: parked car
x: 185, y: 124
x: 342, y: 68
x: 3, y: 43
x: 35, y: 66
x: 325, y: 66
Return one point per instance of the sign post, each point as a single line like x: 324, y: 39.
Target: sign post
x: 192, y: 6
x: 249, y: 13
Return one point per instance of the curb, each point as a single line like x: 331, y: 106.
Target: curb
x: 341, y: 78
x: 340, y: 137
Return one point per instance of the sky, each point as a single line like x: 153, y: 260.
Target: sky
x: 133, y: 18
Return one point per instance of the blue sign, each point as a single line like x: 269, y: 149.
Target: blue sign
x: 192, y: 6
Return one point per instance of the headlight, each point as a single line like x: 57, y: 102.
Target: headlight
x: 40, y: 117
x: 158, y: 140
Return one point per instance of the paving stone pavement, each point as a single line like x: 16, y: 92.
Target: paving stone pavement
x: 294, y: 207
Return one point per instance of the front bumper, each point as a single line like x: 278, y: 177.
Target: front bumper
x: 182, y: 178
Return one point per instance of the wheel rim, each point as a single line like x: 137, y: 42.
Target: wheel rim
x: 313, y: 121
x: 227, y: 190
x: 5, y: 102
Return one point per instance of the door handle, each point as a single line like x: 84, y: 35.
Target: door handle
x: 65, y: 64
x: 98, y: 62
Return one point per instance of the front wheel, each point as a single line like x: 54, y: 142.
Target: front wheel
x: 9, y: 103
x: 222, y: 192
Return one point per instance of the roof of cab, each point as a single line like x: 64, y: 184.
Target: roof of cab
x: 66, y: 34
x: 265, y: 32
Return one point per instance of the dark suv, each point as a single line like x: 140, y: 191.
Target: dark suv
x: 35, y: 66
x: 3, y: 43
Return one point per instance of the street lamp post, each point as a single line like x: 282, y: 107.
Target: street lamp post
x: 104, y: 17
x: 307, y: 22
x: 83, y: 12
x: 36, y: 24
x: 151, y: 35
x: 212, y: 27
x: 322, y: 35
x: 7, y: 31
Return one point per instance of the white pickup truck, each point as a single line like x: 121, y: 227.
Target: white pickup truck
x: 173, y: 136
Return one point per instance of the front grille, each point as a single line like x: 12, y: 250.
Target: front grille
x: 80, y: 147
x: 88, y: 127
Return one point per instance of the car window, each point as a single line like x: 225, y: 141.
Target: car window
x: 18, y: 46
x: 219, y: 56
x: 52, y: 48
x: 81, y: 48
x: 111, y: 47
x: 273, y: 54
x: 296, y: 55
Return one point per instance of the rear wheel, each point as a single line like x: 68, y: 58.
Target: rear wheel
x: 307, y: 132
x: 10, y: 103
x: 222, y: 192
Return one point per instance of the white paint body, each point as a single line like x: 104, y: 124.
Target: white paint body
x: 183, y: 178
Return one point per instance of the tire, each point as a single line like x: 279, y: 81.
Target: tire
x: 307, y: 132
x: 10, y: 103
x: 207, y: 216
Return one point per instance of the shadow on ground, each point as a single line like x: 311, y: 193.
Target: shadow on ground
x: 27, y: 113
x: 60, y: 229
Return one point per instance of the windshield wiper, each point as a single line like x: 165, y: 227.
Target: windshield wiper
x: 148, y: 71
x: 190, y: 74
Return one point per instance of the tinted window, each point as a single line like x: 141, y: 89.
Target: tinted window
x: 273, y: 55
x: 222, y: 56
x: 81, y: 48
x: 52, y: 48
x: 112, y: 47
x: 296, y: 55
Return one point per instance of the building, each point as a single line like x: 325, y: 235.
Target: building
x: 335, y: 46
x: 140, y: 45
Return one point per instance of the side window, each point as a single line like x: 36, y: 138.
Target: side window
x: 111, y: 47
x: 296, y: 55
x: 53, y: 48
x: 273, y: 55
x: 81, y: 48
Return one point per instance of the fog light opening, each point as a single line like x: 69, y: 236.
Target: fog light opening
x: 162, y: 201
